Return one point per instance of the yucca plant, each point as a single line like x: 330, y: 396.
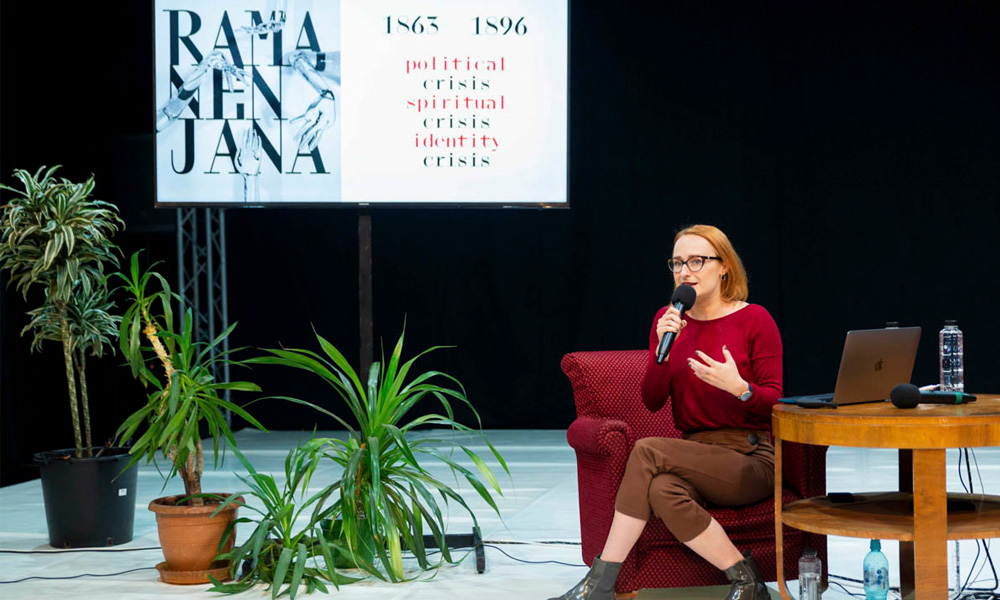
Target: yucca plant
x: 386, y: 496
x: 55, y: 236
x: 183, y: 390
x: 289, y: 544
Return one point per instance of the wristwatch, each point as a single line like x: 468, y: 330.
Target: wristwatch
x: 746, y: 395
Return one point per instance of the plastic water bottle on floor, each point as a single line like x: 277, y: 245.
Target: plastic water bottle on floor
x: 810, y: 572
x: 876, y: 573
x: 951, y: 359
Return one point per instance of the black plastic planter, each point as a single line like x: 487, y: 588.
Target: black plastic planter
x: 87, y: 503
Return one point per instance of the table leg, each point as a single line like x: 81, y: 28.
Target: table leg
x: 906, y: 566
x: 779, y: 541
x: 930, y: 524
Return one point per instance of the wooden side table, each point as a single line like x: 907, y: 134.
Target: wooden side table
x: 918, y: 514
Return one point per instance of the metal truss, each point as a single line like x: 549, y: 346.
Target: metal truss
x: 201, y: 274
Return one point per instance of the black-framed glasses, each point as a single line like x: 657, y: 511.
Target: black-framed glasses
x: 694, y: 263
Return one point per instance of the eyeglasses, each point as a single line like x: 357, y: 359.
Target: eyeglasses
x: 694, y: 263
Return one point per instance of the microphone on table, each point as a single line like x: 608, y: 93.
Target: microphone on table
x: 907, y: 395
x: 683, y: 299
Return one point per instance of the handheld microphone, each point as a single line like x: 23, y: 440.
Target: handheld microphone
x: 906, y: 395
x: 682, y: 299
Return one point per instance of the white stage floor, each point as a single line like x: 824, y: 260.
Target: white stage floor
x: 539, y: 505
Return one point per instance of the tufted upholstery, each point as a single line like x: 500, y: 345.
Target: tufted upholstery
x: 610, y: 418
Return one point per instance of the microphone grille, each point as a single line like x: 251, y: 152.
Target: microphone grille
x: 905, y: 395
x: 684, y: 294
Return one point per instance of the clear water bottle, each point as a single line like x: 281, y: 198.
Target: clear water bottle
x: 952, y: 364
x: 810, y: 572
x: 876, y: 569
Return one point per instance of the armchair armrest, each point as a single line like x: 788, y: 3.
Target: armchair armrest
x: 602, y: 448
x: 600, y: 437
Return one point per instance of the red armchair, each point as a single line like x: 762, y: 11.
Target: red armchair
x: 610, y: 418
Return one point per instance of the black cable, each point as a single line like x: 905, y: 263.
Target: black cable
x: 968, y: 469
x: 98, y: 550
x: 961, y: 476
x: 79, y: 576
x: 986, y: 544
x: 847, y: 591
x: 964, y: 452
x: 981, y: 589
x: 489, y: 544
x: 531, y: 562
x: 829, y: 575
x: 544, y: 543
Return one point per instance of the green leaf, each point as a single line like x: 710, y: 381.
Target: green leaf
x: 260, y: 536
x: 402, y: 444
x: 229, y: 588
x: 485, y: 470
x: 328, y: 559
x: 279, y: 572
x: 300, y: 565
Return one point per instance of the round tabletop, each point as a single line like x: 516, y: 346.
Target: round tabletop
x: 882, y: 425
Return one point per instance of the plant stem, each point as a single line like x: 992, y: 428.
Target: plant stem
x: 161, y: 352
x: 194, y: 466
x: 191, y: 472
x: 189, y: 484
x: 81, y: 364
x: 201, y: 462
x: 71, y: 382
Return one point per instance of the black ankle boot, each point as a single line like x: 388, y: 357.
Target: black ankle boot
x: 747, y: 584
x: 599, y: 584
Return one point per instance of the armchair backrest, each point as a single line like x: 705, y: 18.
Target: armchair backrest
x: 606, y: 384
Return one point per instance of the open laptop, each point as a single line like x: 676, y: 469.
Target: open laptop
x: 874, y: 361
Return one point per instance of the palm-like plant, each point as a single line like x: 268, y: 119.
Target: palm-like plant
x: 91, y: 327
x: 186, y: 394
x: 290, y: 544
x: 386, y: 495
x: 53, y: 235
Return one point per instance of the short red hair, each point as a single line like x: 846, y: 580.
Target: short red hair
x: 734, y: 287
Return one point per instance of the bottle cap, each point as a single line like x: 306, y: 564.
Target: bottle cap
x: 808, y: 551
x: 876, y: 546
x: 951, y: 321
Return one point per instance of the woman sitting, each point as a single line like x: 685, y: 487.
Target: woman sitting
x: 723, y: 376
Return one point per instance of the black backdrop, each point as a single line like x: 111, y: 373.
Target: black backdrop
x: 852, y: 153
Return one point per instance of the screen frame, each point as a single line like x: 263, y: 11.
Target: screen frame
x: 388, y: 204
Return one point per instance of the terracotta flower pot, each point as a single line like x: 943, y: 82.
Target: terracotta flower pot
x: 189, y: 535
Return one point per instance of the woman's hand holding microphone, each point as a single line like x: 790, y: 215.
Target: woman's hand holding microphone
x: 671, y: 321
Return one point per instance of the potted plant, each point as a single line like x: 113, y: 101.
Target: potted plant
x: 290, y: 544
x: 183, y: 396
x: 385, y: 494
x: 54, y: 236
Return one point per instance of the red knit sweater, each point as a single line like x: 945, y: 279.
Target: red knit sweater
x: 752, y: 338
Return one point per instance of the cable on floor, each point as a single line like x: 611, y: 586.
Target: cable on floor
x: 79, y: 576
x: 74, y: 551
x: 532, y: 562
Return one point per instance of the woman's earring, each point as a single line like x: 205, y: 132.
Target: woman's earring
x: 725, y: 276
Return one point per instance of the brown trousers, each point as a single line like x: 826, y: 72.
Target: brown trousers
x: 676, y: 478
